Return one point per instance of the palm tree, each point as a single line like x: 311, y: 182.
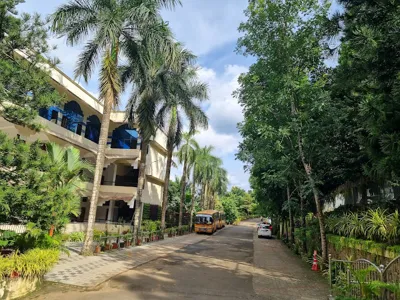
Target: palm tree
x: 218, y: 184
x: 114, y: 27
x: 67, y: 170
x: 183, y: 90
x: 205, y: 161
x: 186, y: 156
x: 148, y: 78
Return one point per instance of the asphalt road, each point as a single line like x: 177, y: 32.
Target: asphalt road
x: 227, y: 265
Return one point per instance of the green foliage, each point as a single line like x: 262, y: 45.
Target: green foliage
x: 38, y: 186
x: 237, y: 204
x: 373, y: 224
x: 24, y: 86
x: 33, y: 263
x: 7, y: 238
x: 151, y: 226
x: 77, y: 237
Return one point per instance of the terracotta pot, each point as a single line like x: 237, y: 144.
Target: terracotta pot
x: 115, y: 245
x: 14, y: 274
x: 107, y: 247
x: 169, y: 234
x: 97, y: 249
x: 139, y: 242
x: 127, y: 244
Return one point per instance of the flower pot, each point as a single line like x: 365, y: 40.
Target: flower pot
x: 170, y: 235
x: 107, y: 247
x: 115, y: 245
x: 139, y: 242
x: 97, y: 249
x: 122, y: 245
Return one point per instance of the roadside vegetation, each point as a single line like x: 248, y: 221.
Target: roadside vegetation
x: 321, y: 111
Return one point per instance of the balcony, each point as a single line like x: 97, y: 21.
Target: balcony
x: 122, y: 153
x: 110, y: 192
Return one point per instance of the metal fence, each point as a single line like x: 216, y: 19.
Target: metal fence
x: 362, y: 279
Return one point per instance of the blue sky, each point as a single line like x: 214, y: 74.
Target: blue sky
x: 209, y: 29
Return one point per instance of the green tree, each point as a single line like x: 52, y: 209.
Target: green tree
x: 24, y: 85
x: 184, y: 90
x: 287, y: 106
x: 114, y: 28
x: 186, y: 155
x: 39, y: 186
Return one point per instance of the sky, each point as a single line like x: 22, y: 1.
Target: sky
x: 209, y: 29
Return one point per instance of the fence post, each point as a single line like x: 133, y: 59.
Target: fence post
x: 348, y: 278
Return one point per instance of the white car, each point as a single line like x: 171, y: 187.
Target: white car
x: 264, y: 230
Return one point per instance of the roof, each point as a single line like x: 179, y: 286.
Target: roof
x: 207, y: 212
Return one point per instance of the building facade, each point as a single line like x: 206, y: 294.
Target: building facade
x: 78, y: 123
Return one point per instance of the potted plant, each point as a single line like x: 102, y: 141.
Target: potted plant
x: 97, y: 249
x: 169, y: 231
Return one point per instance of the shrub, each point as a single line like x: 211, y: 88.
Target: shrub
x: 33, y: 263
x: 374, y: 224
x: 7, y: 238
x: 77, y: 237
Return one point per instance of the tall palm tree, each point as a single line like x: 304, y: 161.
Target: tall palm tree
x: 113, y: 26
x: 184, y: 89
x: 67, y: 169
x: 205, y: 162
x: 149, y: 91
x: 218, y: 184
x: 186, y: 156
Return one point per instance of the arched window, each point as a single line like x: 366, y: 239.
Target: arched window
x: 124, y: 138
x: 72, y: 117
x: 93, y: 129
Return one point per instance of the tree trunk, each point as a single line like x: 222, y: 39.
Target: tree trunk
x: 105, y: 123
x: 303, y: 222
x: 137, y: 216
x: 165, y: 190
x: 205, y: 197
x: 183, y: 192
x: 291, y: 233
x: 202, y: 202
x: 308, y: 170
x: 193, y: 198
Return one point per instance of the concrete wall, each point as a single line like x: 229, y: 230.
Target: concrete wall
x: 152, y: 193
x: 79, y: 227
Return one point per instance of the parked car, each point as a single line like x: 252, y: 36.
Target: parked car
x: 264, y: 230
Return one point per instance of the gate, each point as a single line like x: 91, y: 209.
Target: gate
x: 362, y: 279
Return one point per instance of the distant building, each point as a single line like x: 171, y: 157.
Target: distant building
x: 78, y: 123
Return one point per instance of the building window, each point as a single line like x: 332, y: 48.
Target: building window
x: 54, y: 116
x: 64, y: 122
x: 79, y: 129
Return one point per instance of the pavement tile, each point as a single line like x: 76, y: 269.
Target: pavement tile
x: 81, y: 271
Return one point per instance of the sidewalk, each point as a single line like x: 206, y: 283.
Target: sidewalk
x: 90, y: 271
x: 285, y: 275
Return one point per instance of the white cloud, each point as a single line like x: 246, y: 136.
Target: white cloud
x: 207, y: 24
x: 223, y: 143
x: 224, y: 111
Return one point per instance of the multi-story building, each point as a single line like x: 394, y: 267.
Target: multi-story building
x: 77, y: 123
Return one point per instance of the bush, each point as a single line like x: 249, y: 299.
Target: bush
x: 77, y: 237
x: 151, y: 226
x: 33, y: 263
x: 374, y: 224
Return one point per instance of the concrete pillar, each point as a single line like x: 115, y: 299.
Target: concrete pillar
x: 59, y: 118
x: 109, y: 139
x: 110, y: 216
x: 84, y: 122
x: 110, y: 174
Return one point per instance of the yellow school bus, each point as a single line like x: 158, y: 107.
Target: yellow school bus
x: 222, y: 220
x: 207, y: 221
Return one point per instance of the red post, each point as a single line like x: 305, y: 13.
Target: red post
x: 315, y: 262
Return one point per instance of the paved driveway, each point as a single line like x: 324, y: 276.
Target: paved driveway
x: 228, y: 265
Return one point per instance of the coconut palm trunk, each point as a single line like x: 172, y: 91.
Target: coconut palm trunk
x: 193, y: 199
x: 165, y: 190
x: 98, y: 172
x: 137, y: 216
x: 183, y: 192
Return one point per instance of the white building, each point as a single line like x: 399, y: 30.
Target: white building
x: 77, y: 123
